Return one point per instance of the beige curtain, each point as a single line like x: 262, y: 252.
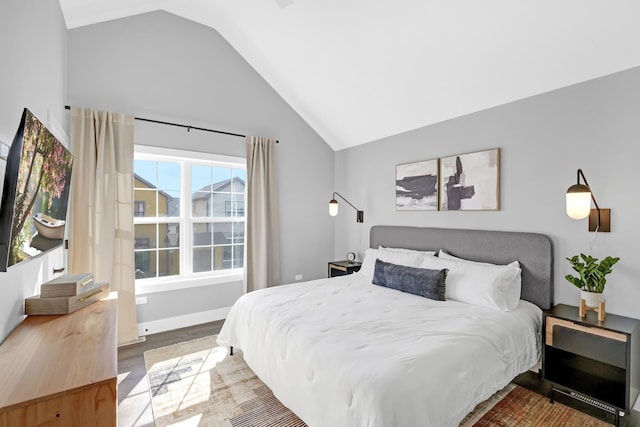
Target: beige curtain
x: 262, y: 266
x: 101, y: 217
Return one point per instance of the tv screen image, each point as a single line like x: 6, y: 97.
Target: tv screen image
x: 35, y: 194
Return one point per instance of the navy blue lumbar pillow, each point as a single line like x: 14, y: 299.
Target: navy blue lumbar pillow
x: 418, y: 281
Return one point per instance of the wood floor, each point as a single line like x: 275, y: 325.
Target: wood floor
x: 134, y: 403
x: 133, y: 390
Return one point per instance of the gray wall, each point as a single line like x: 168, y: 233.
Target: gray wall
x: 32, y: 75
x: 160, y: 66
x: 543, y: 140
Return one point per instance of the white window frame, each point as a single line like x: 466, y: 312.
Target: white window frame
x: 186, y: 279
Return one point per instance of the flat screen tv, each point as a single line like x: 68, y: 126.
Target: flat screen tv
x: 4, y: 152
x: 35, y: 193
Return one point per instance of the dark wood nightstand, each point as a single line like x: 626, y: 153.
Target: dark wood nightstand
x: 595, y: 362
x: 341, y: 268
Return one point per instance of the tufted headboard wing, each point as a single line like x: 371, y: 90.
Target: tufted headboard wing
x: 534, y: 252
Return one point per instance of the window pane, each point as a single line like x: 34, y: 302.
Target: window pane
x: 145, y: 202
x: 239, y: 179
x: 201, y: 259
x: 235, y: 207
x: 221, y: 179
x: 168, y: 189
x: 222, y: 233
x: 145, y: 234
x: 202, y: 234
x: 157, y: 187
x: 222, y: 206
x: 168, y: 176
x: 163, y: 203
x: 145, y: 264
x: 238, y: 256
x: 169, y: 235
x: 200, y: 178
x: 168, y: 262
x: 201, y: 204
x: 238, y: 233
x: 221, y: 257
x: 173, y: 203
x: 145, y: 174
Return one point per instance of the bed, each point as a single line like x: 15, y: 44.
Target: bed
x: 346, y: 352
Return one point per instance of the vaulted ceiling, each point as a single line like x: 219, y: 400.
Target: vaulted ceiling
x: 360, y: 70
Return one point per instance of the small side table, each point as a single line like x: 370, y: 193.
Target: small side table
x: 596, y: 362
x: 342, y: 268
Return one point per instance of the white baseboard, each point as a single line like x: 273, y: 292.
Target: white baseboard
x: 171, y: 323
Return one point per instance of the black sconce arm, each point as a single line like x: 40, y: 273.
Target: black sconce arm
x: 580, y: 174
x: 338, y: 194
x: 359, y: 213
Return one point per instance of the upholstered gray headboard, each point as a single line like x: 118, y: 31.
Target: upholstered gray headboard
x: 533, y: 251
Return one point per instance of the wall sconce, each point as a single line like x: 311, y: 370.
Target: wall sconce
x: 333, y: 208
x: 579, y: 197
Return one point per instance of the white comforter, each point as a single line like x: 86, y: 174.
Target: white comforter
x: 344, y: 352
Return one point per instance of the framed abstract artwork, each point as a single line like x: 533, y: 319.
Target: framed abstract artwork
x: 417, y: 186
x: 470, y: 181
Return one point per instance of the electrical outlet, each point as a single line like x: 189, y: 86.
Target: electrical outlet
x: 298, y: 276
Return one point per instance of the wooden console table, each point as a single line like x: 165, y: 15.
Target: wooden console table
x: 62, y: 370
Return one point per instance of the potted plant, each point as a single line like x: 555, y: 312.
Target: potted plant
x: 592, y: 276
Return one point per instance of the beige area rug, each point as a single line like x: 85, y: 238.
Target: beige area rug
x: 195, y: 383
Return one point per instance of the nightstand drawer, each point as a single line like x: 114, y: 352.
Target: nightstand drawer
x: 597, y: 344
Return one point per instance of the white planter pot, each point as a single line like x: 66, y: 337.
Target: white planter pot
x: 591, y: 299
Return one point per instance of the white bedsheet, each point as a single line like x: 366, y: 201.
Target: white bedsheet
x: 344, y: 352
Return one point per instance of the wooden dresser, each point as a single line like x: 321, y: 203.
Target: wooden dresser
x: 61, y: 370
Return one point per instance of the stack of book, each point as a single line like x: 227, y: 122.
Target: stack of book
x: 66, y: 294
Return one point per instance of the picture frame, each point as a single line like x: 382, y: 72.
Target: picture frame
x: 470, y: 181
x: 417, y: 186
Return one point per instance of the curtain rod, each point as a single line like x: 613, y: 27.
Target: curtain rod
x: 66, y: 107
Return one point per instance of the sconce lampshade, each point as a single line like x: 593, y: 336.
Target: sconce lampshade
x: 578, y: 201
x: 333, y: 207
x: 579, y: 198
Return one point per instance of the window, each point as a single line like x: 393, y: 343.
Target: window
x: 139, y: 208
x: 235, y: 208
x: 188, y: 214
x: 216, y: 223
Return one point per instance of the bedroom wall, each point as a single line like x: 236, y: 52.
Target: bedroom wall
x: 543, y: 140
x: 160, y: 66
x: 32, y: 75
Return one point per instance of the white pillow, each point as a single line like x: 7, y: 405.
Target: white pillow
x: 442, y: 254
x: 406, y: 257
x: 401, y: 256
x: 514, y: 289
x: 369, y: 262
x: 493, y: 286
